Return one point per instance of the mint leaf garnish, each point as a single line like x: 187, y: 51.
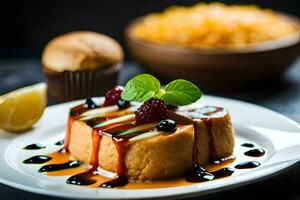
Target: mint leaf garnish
x: 145, y: 86
x: 141, y: 88
x: 181, y: 92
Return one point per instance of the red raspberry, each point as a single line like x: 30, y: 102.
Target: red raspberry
x: 112, y: 96
x: 153, y: 110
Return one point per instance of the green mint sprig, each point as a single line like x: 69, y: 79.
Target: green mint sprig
x: 176, y: 93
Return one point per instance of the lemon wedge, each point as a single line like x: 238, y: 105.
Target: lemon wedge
x: 22, y: 108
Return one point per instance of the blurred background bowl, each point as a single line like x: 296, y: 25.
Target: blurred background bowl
x: 217, y: 69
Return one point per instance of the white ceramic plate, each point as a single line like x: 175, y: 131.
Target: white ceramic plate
x: 277, y: 134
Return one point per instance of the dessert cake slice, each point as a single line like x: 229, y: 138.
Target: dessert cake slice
x: 109, y: 137
x: 149, y: 141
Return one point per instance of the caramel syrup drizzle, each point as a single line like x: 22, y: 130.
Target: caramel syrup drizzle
x: 73, y: 115
x: 121, y: 144
x: 197, y: 173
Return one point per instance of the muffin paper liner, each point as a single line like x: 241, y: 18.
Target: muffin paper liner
x: 69, y: 85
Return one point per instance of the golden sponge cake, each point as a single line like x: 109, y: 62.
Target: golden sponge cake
x: 155, y: 155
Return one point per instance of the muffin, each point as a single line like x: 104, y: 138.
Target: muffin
x: 81, y: 64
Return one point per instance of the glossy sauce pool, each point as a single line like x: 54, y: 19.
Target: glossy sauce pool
x: 231, y: 162
x: 65, y: 157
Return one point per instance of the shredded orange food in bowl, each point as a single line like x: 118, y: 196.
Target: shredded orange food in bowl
x: 214, y: 25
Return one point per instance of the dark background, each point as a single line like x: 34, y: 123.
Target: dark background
x: 26, y: 26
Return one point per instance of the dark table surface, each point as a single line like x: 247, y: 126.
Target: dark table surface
x: 282, y: 96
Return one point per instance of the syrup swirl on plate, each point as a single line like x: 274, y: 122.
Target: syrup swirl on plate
x: 34, y: 147
x: 255, y: 152
x: 247, y: 165
x: 249, y: 145
x: 61, y: 166
x: 40, y: 159
x: 60, y: 142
